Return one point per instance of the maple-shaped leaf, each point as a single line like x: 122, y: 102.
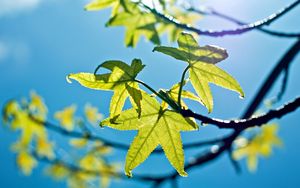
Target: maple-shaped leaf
x: 102, y: 4
x: 121, y: 80
x: 202, y: 68
x: 172, y: 31
x: 137, y: 23
x: 156, y: 126
x: 174, y: 92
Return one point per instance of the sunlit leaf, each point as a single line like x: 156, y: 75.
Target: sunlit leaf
x: 174, y: 92
x: 137, y: 23
x: 172, y: 31
x: 120, y: 80
x: 155, y: 127
x: 202, y: 68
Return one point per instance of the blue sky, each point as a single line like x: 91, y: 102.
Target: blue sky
x: 43, y: 41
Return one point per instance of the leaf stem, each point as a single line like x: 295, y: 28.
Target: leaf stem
x: 181, y: 85
x: 150, y: 88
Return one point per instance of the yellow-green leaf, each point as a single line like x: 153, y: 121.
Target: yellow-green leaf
x: 121, y: 80
x: 137, y: 23
x: 260, y: 145
x: 155, y: 127
x: 202, y: 68
x: 66, y: 117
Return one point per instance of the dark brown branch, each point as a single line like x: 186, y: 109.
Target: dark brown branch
x: 283, y: 84
x: 213, y: 154
x: 242, y: 29
x: 285, y: 61
x: 246, y: 123
x: 212, y: 12
x: 75, y: 134
x: 282, y: 90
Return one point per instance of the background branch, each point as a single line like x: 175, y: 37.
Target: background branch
x: 213, y: 153
x: 242, y: 29
x: 213, y: 12
x: 115, y: 145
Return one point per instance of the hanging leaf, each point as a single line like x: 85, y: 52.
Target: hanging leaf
x: 202, y: 68
x: 120, y: 80
x: 155, y: 127
x: 137, y: 24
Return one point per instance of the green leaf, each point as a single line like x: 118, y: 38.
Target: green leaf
x: 180, y: 16
x: 155, y: 127
x: 137, y: 24
x: 101, y: 4
x: 202, y: 68
x: 121, y: 80
x: 173, y: 52
x: 174, y: 92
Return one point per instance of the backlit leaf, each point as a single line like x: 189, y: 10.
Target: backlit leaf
x: 202, y: 68
x: 155, y: 127
x: 120, y: 80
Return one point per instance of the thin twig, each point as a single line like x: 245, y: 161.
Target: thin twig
x: 212, y: 154
x: 213, y: 12
x: 242, y: 29
x: 116, y: 145
x: 284, y: 62
x: 75, y: 168
x: 282, y: 90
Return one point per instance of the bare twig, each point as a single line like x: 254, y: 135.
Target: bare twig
x: 116, y: 145
x: 282, y: 90
x: 213, y: 12
x: 214, y: 153
x: 242, y: 29
x: 284, y: 62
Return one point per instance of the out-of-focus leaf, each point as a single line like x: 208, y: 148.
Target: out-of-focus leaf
x: 66, y: 117
x: 260, y: 145
x: 26, y: 162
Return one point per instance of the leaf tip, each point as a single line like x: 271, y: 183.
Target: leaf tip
x: 242, y: 94
x: 69, y: 79
x: 183, y: 173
